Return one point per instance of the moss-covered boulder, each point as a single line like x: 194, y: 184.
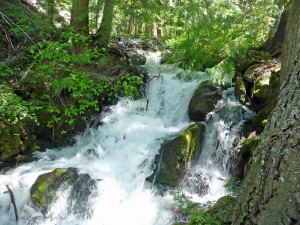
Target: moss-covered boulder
x: 223, y: 209
x: 204, y: 100
x: 240, y: 90
x: 43, y: 191
x: 248, y: 58
x: 266, y: 85
x: 260, y: 83
x: 178, y: 153
x: 10, y: 141
x: 136, y: 59
x: 249, y: 75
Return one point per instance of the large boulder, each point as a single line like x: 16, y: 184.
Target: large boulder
x: 266, y: 85
x: 223, y: 209
x: 258, y: 85
x: 44, y: 190
x: 136, y: 59
x: 10, y: 143
x: 204, y: 100
x: 249, y: 58
x: 178, y: 153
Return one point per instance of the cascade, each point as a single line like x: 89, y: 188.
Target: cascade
x: 120, y: 155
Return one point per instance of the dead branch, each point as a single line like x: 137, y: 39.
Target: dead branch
x: 12, y: 198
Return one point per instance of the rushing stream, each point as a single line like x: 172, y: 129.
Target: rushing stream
x: 120, y: 155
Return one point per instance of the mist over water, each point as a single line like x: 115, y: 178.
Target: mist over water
x: 120, y: 155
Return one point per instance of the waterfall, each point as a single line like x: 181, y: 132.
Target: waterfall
x: 120, y: 154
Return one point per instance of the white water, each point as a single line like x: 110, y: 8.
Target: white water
x: 121, y: 153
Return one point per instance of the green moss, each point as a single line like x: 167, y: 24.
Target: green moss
x: 10, y: 141
x: 248, y: 58
x: 240, y: 90
x: 224, y: 201
x: 178, y: 153
x: 223, y: 209
x: 251, y: 142
x: 259, y: 120
x: 41, y: 190
x: 248, y: 75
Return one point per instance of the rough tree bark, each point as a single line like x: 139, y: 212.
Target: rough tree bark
x: 291, y: 39
x: 80, y: 16
x: 104, y: 32
x: 270, y: 192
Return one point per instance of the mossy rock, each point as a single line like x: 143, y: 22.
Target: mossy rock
x: 261, y: 117
x: 136, y: 59
x: 203, y: 100
x: 240, y: 90
x: 10, y: 141
x: 250, y: 143
x: 223, y: 209
x: 265, y: 86
x: 43, y: 191
x: 249, y: 74
x: 250, y: 57
x: 178, y: 153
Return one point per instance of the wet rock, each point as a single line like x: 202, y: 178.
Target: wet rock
x: 248, y: 58
x: 266, y: 85
x: 136, y: 59
x: 44, y: 190
x: 242, y: 153
x: 204, y: 100
x: 240, y: 90
x: 177, y: 154
x: 261, y: 117
x: 10, y: 142
x: 223, y: 209
x: 259, y: 85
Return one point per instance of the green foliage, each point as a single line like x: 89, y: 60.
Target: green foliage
x: 209, y: 31
x: 63, y: 82
x: 202, y: 218
x: 233, y: 186
x: 13, y: 108
x: 65, y: 76
x: 196, y: 215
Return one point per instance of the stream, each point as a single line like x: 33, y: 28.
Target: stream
x: 120, y: 155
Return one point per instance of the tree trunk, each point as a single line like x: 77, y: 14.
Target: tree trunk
x: 291, y: 39
x: 270, y: 191
x: 50, y: 10
x: 80, y: 16
x: 104, y: 32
